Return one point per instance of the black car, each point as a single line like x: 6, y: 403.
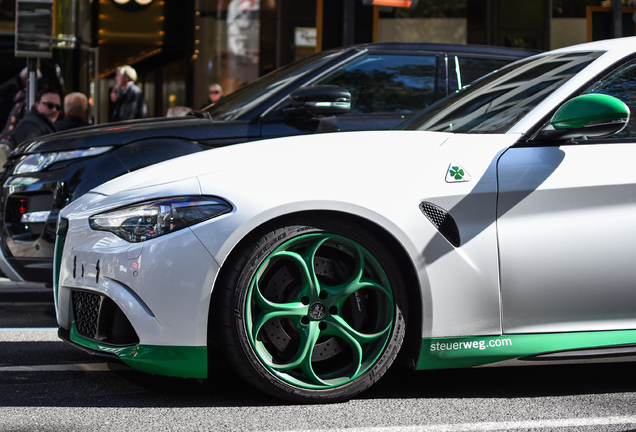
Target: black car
x: 370, y: 86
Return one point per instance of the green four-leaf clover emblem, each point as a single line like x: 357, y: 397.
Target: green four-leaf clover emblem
x: 456, y: 173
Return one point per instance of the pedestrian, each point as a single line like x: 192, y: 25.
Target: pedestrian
x: 41, y: 118
x: 127, y: 98
x: 8, y: 91
x: 15, y: 115
x: 75, y: 112
x: 214, y: 94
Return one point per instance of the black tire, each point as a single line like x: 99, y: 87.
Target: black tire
x: 313, y: 342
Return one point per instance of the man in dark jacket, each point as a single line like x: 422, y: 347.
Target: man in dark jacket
x: 75, y: 110
x: 127, y: 98
x: 40, y: 119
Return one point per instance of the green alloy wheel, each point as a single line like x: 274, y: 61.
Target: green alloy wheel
x: 315, y: 315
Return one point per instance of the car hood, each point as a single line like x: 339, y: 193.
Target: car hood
x: 370, y: 168
x: 345, y: 159
x: 337, y: 156
x: 287, y: 153
x: 118, y: 133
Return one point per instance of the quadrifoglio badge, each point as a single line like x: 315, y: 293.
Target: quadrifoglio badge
x: 456, y: 173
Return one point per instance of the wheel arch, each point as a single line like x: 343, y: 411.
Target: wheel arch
x: 410, y: 348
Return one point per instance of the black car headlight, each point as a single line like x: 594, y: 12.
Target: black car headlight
x: 148, y: 220
x: 40, y: 161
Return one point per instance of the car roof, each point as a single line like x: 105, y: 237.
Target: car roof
x: 619, y: 45
x: 459, y: 48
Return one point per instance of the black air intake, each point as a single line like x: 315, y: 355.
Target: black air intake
x: 443, y: 221
x: 98, y: 318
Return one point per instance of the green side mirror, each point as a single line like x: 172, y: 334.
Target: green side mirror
x: 591, y: 115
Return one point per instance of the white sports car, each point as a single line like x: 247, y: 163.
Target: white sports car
x: 497, y: 227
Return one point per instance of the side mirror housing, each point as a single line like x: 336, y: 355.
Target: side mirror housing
x: 318, y: 101
x: 590, y: 115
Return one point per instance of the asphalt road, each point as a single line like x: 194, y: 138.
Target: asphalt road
x: 46, y: 385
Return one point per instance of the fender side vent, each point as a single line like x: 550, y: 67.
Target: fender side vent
x: 443, y: 221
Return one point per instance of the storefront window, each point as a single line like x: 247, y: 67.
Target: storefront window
x: 7, y: 16
x: 227, y: 45
x: 429, y: 21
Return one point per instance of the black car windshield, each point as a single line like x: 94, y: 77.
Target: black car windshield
x: 496, y: 102
x: 244, y: 99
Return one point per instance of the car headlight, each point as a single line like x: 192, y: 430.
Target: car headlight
x: 152, y: 219
x: 40, y: 161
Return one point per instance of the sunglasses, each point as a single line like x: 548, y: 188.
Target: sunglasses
x: 52, y: 105
x: 215, y: 92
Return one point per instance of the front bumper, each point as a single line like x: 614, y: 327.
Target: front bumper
x: 146, y: 303
x: 183, y: 362
x: 30, y: 207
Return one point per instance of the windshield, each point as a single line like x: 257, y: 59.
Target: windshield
x: 495, y: 103
x: 242, y: 100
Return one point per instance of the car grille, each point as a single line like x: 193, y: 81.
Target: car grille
x: 21, y: 205
x: 98, y: 318
x: 39, y: 202
x: 86, y: 312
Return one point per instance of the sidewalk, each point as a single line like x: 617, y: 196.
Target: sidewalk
x: 12, y: 292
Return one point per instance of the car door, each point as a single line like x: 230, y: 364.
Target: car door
x: 567, y: 228
x: 386, y: 88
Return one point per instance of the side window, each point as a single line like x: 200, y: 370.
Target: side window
x: 470, y: 68
x: 385, y: 83
x: 622, y: 85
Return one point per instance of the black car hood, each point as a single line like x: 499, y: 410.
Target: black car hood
x: 120, y: 133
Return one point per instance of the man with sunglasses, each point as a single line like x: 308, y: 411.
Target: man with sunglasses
x: 214, y: 94
x: 41, y: 118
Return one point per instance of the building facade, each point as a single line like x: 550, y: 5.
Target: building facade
x: 180, y: 47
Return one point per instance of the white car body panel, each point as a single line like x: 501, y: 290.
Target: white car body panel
x: 555, y: 202
x: 278, y: 192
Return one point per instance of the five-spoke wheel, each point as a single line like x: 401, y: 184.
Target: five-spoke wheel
x: 315, y: 314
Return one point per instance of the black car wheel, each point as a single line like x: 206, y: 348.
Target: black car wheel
x: 314, y: 313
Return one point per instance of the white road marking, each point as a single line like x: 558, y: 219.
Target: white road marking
x: 44, y: 334
x: 497, y: 426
